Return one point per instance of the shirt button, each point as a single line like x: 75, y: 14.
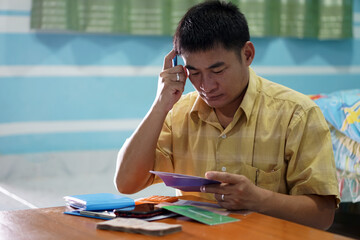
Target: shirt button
x: 223, y: 169
x: 223, y: 136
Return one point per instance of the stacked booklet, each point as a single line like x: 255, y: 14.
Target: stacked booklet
x: 98, y: 201
x: 120, y: 211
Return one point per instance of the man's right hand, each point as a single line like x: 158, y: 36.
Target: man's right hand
x: 137, y: 155
x: 171, y: 84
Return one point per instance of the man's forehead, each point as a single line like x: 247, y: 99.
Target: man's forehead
x: 206, y: 59
x: 215, y: 65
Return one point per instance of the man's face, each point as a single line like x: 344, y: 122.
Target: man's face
x: 218, y: 75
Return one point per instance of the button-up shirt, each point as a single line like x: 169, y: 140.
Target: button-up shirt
x: 278, y: 138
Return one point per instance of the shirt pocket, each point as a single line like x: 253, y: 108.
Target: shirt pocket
x: 268, y: 180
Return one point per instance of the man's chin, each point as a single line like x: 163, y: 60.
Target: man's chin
x: 214, y: 104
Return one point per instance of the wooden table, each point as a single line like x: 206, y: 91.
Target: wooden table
x: 51, y: 223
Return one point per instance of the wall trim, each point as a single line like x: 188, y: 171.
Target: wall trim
x: 129, y: 71
x: 44, y: 127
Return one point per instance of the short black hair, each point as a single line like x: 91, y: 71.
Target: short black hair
x: 209, y: 24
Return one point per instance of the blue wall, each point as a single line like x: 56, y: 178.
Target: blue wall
x: 29, y: 99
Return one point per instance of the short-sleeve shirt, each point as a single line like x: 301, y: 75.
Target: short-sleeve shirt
x: 278, y: 138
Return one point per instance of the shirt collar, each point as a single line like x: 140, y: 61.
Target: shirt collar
x: 201, y: 110
x: 250, y: 95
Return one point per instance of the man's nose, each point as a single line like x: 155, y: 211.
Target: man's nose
x: 208, y: 83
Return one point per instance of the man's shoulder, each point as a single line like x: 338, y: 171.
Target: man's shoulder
x: 186, y: 102
x: 182, y: 109
x: 278, y: 92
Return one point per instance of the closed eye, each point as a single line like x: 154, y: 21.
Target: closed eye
x: 219, y: 71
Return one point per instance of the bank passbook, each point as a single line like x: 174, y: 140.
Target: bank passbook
x: 184, y: 182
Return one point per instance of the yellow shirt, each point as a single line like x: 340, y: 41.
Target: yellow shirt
x: 278, y: 138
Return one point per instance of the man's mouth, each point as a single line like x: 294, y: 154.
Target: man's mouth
x: 212, y: 97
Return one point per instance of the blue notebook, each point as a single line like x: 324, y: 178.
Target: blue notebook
x: 99, y: 201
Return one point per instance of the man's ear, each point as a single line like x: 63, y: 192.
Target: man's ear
x: 249, y: 52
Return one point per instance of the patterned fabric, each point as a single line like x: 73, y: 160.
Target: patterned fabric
x: 342, y: 111
x: 273, y: 140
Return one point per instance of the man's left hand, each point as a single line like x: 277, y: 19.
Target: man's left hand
x: 236, y: 192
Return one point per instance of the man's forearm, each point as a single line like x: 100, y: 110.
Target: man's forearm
x: 137, y: 155
x: 311, y: 210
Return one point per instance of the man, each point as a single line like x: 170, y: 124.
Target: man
x: 268, y: 145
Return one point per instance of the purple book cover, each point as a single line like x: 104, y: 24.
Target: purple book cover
x: 183, y: 182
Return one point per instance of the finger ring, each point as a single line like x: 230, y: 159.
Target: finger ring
x: 177, y: 77
x: 222, y: 197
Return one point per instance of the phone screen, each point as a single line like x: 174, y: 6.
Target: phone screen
x: 140, y: 211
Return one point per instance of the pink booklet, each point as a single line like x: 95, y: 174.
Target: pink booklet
x: 183, y: 182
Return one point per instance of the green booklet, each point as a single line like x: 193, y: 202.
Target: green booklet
x: 200, y: 215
